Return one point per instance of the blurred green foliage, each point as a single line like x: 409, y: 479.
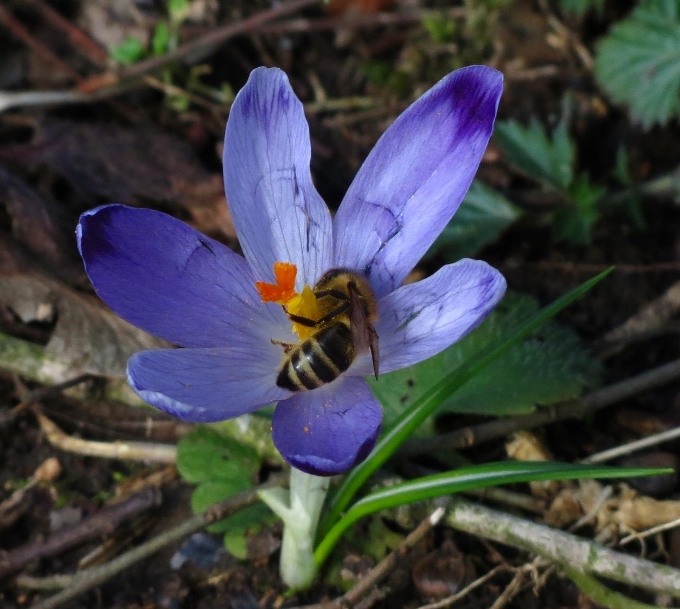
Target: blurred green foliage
x: 551, y: 160
x: 638, y: 62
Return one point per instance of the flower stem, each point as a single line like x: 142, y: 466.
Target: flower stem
x: 299, y: 508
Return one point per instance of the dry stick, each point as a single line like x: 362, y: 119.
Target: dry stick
x: 449, y: 600
x: 86, y: 45
x: 631, y: 447
x: 198, y: 49
x: 103, y: 522
x: 582, y: 555
x: 356, y: 21
x: 18, y: 30
x: 108, y: 84
x: 90, y: 578
x: 383, y: 568
x: 470, y: 436
x: 133, y: 451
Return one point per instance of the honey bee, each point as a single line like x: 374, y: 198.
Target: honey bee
x: 344, y: 331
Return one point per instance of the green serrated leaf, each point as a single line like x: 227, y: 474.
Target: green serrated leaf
x: 548, y: 366
x: 638, y: 62
x: 550, y: 160
x: 129, y: 51
x: 482, y: 216
x: 204, y: 454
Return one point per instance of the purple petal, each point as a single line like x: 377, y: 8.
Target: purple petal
x: 172, y: 281
x: 278, y: 214
x: 328, y: 430
x: 206, y: 385
x: 416, y: 177
x: 420, y: 319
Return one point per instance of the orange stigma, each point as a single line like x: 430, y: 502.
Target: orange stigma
x: 304, y: 304
x: 283, y: 290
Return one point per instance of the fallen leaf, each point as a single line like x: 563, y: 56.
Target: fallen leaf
x: 38, y: 224
x: 86, y: 338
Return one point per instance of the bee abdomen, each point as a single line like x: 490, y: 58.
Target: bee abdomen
x: 318, y: 360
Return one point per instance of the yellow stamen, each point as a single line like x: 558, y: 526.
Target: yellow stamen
x: 283, y: 292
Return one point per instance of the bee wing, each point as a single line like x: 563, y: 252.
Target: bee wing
x: 363, y: 333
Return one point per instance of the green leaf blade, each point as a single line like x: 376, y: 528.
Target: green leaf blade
x: 465, y: 479
x: 412, y: 418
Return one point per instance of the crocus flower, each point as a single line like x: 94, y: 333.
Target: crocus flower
x: 170, y: 280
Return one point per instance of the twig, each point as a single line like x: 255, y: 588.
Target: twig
x: 470, y: 436
x: 383, y: 568
x: 134, y: 451
x: 108, y: 84
x: 17, y: 503
x: 651, y: 317
x: 203, y: 46
x: 87, y: 47
x: 630, y: 447
x: 90, y: 578
x: 640, y: 535
x: 584, y: 556
x: 448, y: 601
x: 103, y: 522
x: 18, y: 30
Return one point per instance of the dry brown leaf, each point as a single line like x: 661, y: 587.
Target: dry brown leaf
x: 107, y: 163
x: 87, y: 338
x: 36, y: 223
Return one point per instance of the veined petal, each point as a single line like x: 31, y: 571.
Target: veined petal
x: 420, y: 319
x: 167, y: 278
x: 206, y: 385
x: 278, y: 215
x: 415, y: 178
x: 328, y: 430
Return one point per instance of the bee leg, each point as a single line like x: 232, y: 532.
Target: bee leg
x: 303, y: 321
x: 287, y: 347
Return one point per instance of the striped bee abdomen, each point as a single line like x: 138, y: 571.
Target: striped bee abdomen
x: 318, y: 360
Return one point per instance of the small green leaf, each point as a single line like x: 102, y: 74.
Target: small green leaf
x: 482, y: 216
x: 576, y: 224
x: 440, y: 28
x: 550, y: 160
x: 638, y: 62
x: 160, y: 40
x: 178, y: 10
x: 129, y: 51
x: 548, y: 366
x: 206, y: 455
x: 239, y: 526
x: 209, y: 493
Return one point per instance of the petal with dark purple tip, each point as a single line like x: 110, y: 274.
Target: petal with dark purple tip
x: 167, y: 278
x: 278, y: 215
x: 420, y: 319
x: 206, y: 385
x: 415, y: 178
x: 328, y: 430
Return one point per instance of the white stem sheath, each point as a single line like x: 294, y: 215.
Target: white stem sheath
x: 299, y: 508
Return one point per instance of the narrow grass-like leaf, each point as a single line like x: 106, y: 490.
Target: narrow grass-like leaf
x: 428, y: 404
x: 465, y: 479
